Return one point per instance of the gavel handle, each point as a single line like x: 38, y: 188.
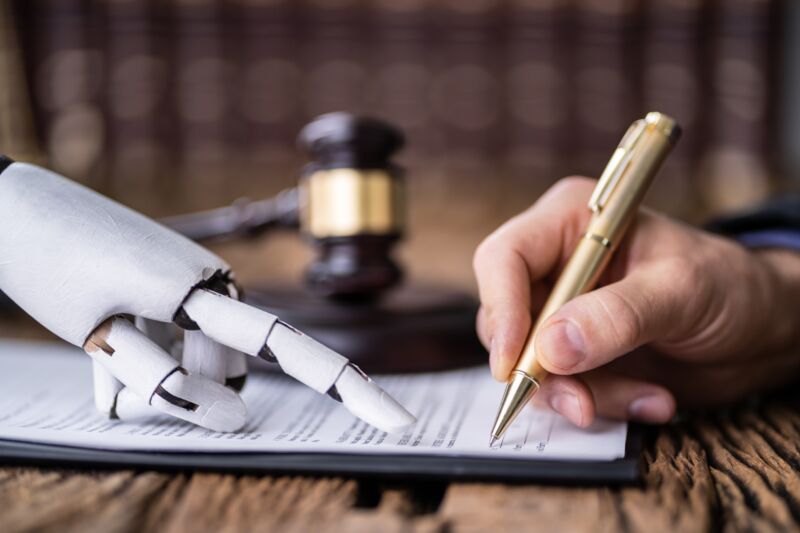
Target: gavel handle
x: 243, y: 218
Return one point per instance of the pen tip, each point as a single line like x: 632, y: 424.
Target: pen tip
x: 492, y: 440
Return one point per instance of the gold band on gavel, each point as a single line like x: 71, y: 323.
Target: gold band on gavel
x: 343, y: 202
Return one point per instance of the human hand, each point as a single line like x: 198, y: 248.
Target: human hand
x: 680, y: 314
x: 86, y: 267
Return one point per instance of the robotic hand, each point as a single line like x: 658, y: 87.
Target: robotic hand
x: 87, y: 267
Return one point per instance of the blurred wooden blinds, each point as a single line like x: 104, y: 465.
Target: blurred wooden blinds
x: 182, y: 105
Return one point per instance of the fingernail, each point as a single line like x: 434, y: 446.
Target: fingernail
x: 567, y: 405
x: 562, y: 344
x: 653, y: 409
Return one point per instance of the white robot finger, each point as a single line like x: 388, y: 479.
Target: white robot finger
x: 235, y: 369
x: 106, y: 388
x: 130, y: 407
x: 254, y: 332
x: 204, y: 356
x: 354, y: 389
x: 162, y: 333
x: 199, y: 400
x: 365, y: 399
x: 258, y: 333
x: 145, y: 369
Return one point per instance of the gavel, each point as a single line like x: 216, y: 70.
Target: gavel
x: 350, y: 205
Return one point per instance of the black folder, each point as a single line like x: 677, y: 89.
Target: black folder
x: 410, y: 467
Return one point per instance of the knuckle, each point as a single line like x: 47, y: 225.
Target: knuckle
x: 498, y: 244
x: 483, y: 251
x: 686, y: 268
x: 688, y: 274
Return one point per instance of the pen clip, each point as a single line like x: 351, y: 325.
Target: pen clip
x: 616, y: 166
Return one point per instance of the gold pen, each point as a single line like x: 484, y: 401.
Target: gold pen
x: 614, y: 204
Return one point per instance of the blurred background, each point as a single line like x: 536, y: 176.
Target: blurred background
x: 174, y: 106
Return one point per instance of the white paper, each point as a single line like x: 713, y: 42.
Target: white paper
x: 46, y: 396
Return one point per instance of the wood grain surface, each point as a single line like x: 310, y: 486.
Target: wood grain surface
x: 732, y: 471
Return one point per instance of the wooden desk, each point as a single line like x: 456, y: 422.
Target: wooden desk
x: 730, y: 471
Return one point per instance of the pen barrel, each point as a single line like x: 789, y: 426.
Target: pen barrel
x: 607, y: 226
x: 613, y: 218
x: 580, y: 275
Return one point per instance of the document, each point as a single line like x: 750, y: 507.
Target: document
x: 46, y: 397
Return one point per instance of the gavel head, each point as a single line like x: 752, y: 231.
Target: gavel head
x: 352, y: 205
